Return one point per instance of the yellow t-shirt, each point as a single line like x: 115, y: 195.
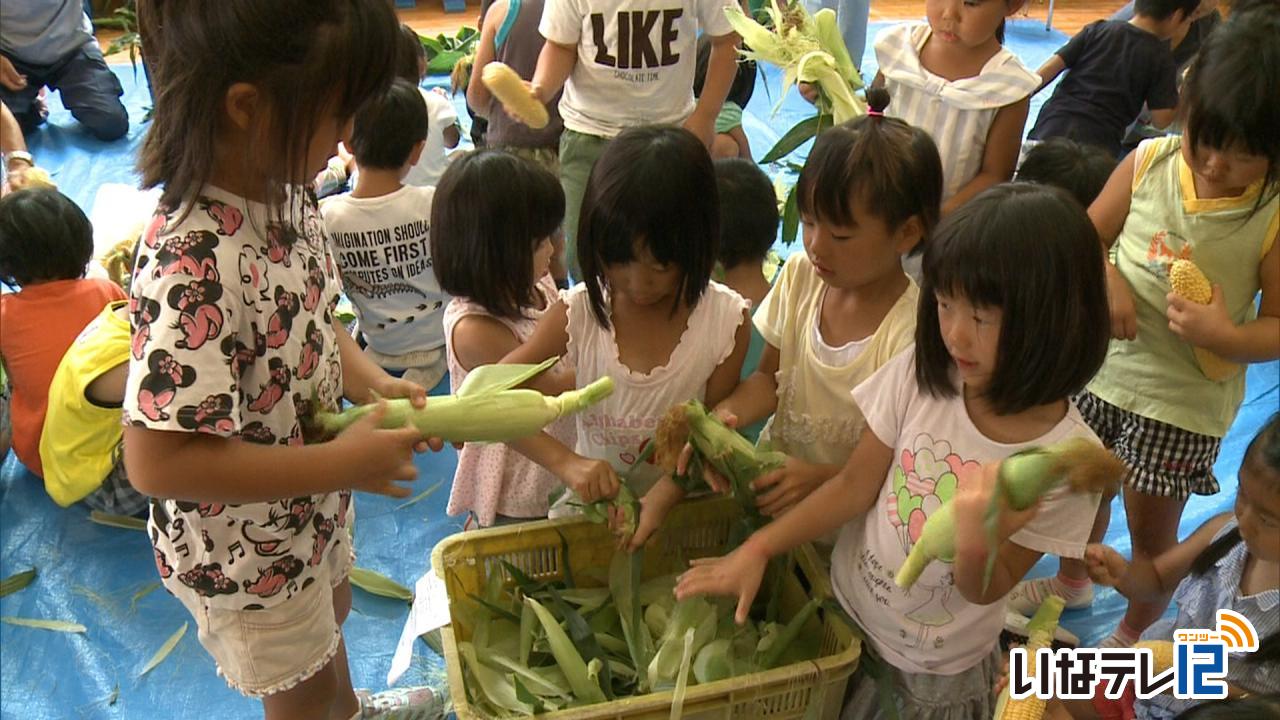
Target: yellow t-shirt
x: 817, y: 420
x: 81, y: 440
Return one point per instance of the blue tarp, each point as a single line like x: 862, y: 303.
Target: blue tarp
x: 105, y: 578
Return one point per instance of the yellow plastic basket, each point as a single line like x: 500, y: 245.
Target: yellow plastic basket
x: 692, y: 530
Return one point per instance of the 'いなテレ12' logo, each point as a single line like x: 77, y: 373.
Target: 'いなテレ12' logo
x: 1197, y: 669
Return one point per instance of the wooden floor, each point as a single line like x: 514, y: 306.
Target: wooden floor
x: 429, y: 17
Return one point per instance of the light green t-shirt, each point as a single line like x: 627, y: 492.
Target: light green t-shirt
x: 1157, y: 375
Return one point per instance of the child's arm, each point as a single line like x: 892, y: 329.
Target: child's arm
x: 555, y: 62
x: 590, y: 478
x: 852, y: 492
x: 1000, y: 156
x: 1210, y: 327
x: 725, y: 377
x: 199, y: 467
x: 756, y: 397
x: 478, y: 96
x: 1051, y: 69
x: 1108, y: 213
x: 549, y: 339
x: 721, y: 69
x: 1146, y: 579
x: 481, y: 340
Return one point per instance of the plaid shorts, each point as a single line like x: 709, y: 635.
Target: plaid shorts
x: 1163, y: 460
x: 116, y: 496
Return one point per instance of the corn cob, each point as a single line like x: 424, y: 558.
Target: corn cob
x: 516, y: 99
x: 731, y: 454
x: 1161, y: 653
x: 1188, y: 281
x: 484, y: 416
x: 1022, y: 479
x: 1041, y: 629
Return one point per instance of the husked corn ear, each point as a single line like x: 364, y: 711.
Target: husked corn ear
x: 1161, y: 654
x: 1040, y: 635
x: 1187, y: 280
x: 515, y: 97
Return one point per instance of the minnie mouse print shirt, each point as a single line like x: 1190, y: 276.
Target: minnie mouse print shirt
x: 232, y: 317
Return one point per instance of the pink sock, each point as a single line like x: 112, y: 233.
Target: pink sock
x: 1128, y: 633
x: 1073, y: 583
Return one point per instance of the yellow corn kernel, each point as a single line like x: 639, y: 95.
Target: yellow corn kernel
x: 1040, y: 631
x: 1188, y: 281
x: 515, y: 97
x: 1161, y: 654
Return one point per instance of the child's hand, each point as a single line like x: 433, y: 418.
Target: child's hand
x: 717, y: 482
x: 1105, y: 565
x: 654, y: 507
x: 972, y: 499
x: 809, y: 92
x: 393, y: 387
x: 1124, y: 317
x: 738, y: 573
x: 384, y: 458
x: 1200, y: 325
x: 591, y: 479
x: 780, y: 490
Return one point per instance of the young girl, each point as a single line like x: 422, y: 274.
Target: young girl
x: 491, y: 229
x: 45, y: 243
x: 1232, y: 562
x: 648, y: 314
x: 869, y: 192
x: 953, y: 78
x: 1010, y: 324
x: 1167, y: 393
x: 234, y: 341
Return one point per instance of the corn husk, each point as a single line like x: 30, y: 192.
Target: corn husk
x: 164, y: 650
x: 17, y: 581
x: 376, y: 583
x: 66, y: 626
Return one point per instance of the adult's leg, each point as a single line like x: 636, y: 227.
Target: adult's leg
x: 578, y: 152
x: 92, y: 93
x: 851, y: 17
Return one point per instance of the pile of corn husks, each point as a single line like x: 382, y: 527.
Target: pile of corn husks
x: 542, y: 646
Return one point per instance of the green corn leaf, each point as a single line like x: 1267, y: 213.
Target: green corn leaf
x: 682, y: 679
x: 790, y: 217
x: 584, y: 639
x: 146, y: 590
x: 378, y: 584
x: 495, y: 686
x: 799, y: 134
x: 496, y: 609
x: 17, y: 581
x: 65, y: 626
x: 123, y: 522
x: 528, y: 622
x: 420, y: 496
x: 523, y: 695
x: 625, y: 572
x: 567, y: 656
x: 554, y: 686
x: 164, y: 650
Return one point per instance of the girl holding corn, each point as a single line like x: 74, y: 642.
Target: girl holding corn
x: 647, y: 314
x: 1191, y: 224
x: 869, y: 193
x: 1231, y: 562
x: 491, y: 227
x: 1014, y: 267
x: 235, y: 344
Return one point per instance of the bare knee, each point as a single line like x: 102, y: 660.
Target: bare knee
x: 312, y: 698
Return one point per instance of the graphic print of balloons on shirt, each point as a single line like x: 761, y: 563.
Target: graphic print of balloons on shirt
x: 926, y: 476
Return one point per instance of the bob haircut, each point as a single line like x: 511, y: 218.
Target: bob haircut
x: 748, y: 212
x: 491, y: 209
x: 1078, y: 168
x: 311, y: 60
x: 1031, y: 251
x: 1230, y: 98
x: 44, y: 236
x: 892, y: 166
x: 655, y: 185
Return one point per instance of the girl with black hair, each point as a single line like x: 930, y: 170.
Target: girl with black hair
x: 1231, y: 562
x: 492, y: 225
x: 232, y: 318
x: 647, y: 314
x: 1011, y: 323
x: 1174, y: 374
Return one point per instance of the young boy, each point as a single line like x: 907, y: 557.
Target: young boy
x: 748, y: 227
x: 442, y: 119
x: 1114, y: 67
x: 379, y: 234
x: 1079, y: 169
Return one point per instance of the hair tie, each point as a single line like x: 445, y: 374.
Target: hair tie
x: 875, y: 113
